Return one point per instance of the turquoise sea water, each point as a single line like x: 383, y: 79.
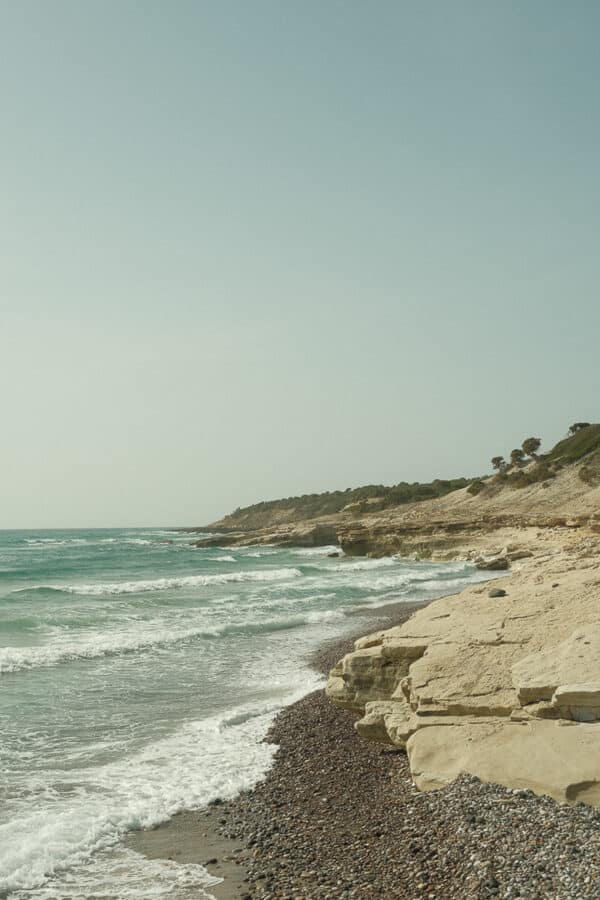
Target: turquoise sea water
x: 138, y: 676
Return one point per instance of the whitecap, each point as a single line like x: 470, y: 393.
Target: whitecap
x: 365, y: 565
x: 185, y: 581
x: 316, y: 552
x: 71, y: 647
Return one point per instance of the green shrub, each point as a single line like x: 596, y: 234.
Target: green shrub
x: 584, y: 441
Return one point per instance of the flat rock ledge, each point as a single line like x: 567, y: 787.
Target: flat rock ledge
x: 505, y: 689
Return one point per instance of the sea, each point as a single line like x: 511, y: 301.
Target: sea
x: 138, y: 677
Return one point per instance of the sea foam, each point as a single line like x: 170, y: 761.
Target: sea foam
x: 165, y: 584
x: 69, y: 648
x: 214, y: 757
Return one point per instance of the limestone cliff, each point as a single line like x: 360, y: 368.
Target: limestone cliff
x: 505, y: 688
x: 561, y: 489
x: 457, y: 525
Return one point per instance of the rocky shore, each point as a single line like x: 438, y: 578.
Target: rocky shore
x: 339, y: 817
x: 501, y: 681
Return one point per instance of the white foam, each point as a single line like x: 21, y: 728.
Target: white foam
x: 215, y: 757
x: 365, y: 565
x: 316, y: 552
x: 69, y: 646
x: 185, y: 581
x: 326, y: 615
x: 56, y: 542
x: 130, y: 876
x: 92, y: 645
x: 48, y: 543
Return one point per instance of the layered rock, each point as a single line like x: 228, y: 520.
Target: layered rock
x: 306, y: 534
x: 507, y: 689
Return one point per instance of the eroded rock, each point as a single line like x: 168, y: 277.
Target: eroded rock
x: 509, y: 691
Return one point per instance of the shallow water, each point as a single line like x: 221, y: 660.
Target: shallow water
x: 138, y: 676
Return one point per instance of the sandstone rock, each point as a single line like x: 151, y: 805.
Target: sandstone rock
x: 514, y: 555
x: 498, y: 563
x: 541, y: 756
x: 575, y: 660
x: 580, y: 702
x: 508, y: 691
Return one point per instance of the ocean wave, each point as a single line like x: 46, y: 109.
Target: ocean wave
x: 365, y: 565
x: 129, y: 875
x: 140, y: 542
x: 186, y: 770
x: 214, y: 757
x: 456, y: 576
x: 93, y: 542
x: 67, y: 648
x: 43, y: 591
x: 163, y: 584
x: 253, y: 553
x: 58, y: 542
x: 315, y: 552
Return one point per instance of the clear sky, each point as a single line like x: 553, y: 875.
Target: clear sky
x: 255, y: 249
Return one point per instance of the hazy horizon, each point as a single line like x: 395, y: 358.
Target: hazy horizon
x: 258, y: 250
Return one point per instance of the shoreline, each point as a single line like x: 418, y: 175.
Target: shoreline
x: 199, y: 836
x: 339, y: 818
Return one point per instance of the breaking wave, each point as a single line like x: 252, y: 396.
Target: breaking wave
x: 165, y: 584
x: 98, y: 644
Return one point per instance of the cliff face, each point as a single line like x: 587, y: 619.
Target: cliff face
x: 455, y: 526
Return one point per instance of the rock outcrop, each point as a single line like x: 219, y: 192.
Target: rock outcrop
x: 502, y: 524
x: 306, y: 534
x: 507, y: 689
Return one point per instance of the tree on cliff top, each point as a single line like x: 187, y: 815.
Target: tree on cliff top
x: 517, y: 456
x: 531, y: 446
x: 578, y: 426
x: 499, y: 463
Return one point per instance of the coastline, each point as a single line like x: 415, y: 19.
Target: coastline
x: 216, y: 836
x: 339, y: 817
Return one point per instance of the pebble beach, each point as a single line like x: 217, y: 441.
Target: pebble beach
x: 337, y: 817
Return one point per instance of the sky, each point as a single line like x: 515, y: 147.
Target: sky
x: 253, y: 250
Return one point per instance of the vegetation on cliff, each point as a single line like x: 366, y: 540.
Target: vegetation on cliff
x: 583, y: 439
x: 371, y: 497
x: 527, y: 466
